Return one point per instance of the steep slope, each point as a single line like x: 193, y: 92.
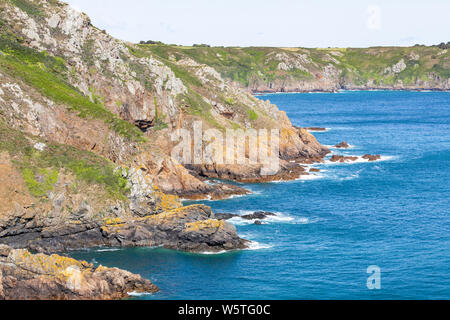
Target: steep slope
x: 53, y: 52
x: 262, y: 69
x: 86, y: 122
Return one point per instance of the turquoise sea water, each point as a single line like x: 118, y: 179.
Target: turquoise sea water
x: 394, y: 213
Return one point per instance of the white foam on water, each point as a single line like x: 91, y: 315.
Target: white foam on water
x: 350, y: 177
x: 310, y: 177
x: 139, y: 294
x: 107, y: 250
x: 237, y: 221
x: 278, y: 218
x: 213, y: 253
x: 254, y: 245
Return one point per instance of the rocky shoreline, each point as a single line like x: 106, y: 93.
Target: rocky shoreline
x: 24, y: 275
x: 86, y: 152
x: 192, y: 228
x: 326, y: 90
x: 27, y: 276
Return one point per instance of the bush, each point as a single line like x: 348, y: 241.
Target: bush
x: 252, y: 115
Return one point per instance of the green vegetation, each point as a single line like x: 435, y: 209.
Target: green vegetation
x: 252, y: 115
x: 357, y: 65
x: 48, y: 75
x: 48, y: 179
x: 229, y: 101
x: 40, y: 168
x: 150, y: 42
x: 87, y: 52
x: 27, y: 6
x: 196, y: 105
x: 159, y: 122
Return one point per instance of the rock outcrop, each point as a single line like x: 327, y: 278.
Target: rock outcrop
x: 371, y: 157
x: 26, y: 276
x: 339, y: 158
x: 258, y: 215
x: 342, y: 145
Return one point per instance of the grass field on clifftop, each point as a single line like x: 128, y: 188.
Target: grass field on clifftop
x: 357, y: 65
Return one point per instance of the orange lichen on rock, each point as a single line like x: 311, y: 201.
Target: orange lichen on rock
x: 166, y: 202
x: 44, y: 264
x: 112, y: 221
x: 169, y: 215
x: 204, y: 224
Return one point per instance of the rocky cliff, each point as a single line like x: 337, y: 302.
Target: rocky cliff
x: 86, y: 122
x: 74, y: 84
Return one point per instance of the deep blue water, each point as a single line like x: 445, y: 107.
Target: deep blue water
x: 393, y: 213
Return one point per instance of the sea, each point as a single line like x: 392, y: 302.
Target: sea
x: 362, y: 230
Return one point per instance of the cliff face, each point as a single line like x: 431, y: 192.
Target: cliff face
x: 86, y: 122
x: 260, y: 69
x: 85, y: 148
x: 74, y: 84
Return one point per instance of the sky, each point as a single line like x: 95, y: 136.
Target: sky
x: 278, y: 23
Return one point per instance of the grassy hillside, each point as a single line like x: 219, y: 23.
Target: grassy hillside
x: 40, y: 169
x: 49, y: 75
x: 356, y: 66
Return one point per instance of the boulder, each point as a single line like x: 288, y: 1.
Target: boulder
x: 258, y: 215
x: 342, y: 159
x: 342, y: 145
x: 372, y: 157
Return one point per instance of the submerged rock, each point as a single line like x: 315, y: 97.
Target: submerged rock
x: 338, y: 158
x: 27, y: 276
x: 316, y: 129
x: 342, y: 145
x: 259, y: 215
x: 372, y: 157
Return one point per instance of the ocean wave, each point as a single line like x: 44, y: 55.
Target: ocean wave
x: 139, y: 294
x: 213, y: 253
x: 107, y: 250
x: 350, y: 177
x: 277, y: 218
x: 255, y: 245
x: 310, y: 177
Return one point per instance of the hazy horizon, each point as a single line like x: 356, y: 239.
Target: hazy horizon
x: 284, y: 23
